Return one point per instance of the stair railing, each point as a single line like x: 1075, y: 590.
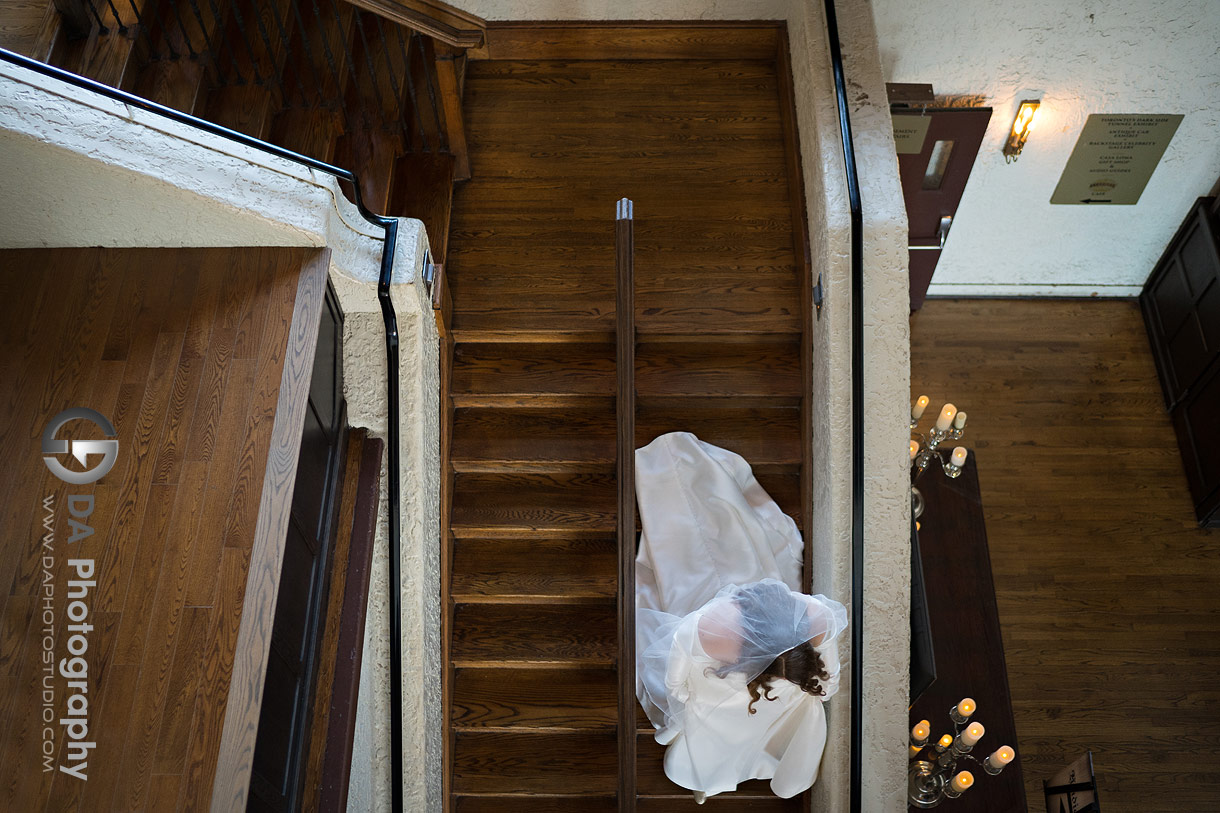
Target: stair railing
x: 625, y: 413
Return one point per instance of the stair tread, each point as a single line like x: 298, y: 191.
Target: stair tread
x: 534, y: 632
x: 536, y: 698
x: 552, y: 439
x: 502, y: 762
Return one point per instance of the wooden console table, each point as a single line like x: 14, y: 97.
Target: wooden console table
x: 966, y: 635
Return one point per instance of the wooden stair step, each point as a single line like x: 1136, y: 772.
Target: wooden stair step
x: 558, y: 570
x: 717, y: 368
x: 565, y: 439
x: 535, y: 803
x: 539, y: 634
x: 531, y: 501
x: 540, y: 369
x: 500, y: 763
x: 558, y: 438
x: 723, y: 803
x: 535, y: 698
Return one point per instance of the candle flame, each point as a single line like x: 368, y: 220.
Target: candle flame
x: 946, y: 740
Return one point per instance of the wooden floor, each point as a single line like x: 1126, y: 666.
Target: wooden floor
x: 699, y: 145
x: 183, y: 351
x: 1109, y: 595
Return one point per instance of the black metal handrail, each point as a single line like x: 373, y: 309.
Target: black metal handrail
x: 389, y: 320
x: 857, y: 414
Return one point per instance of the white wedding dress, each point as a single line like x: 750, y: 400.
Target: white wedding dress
x: 708, y: 529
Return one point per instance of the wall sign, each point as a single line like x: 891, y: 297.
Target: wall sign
x: 1114, y: 157
x: 910, y: 131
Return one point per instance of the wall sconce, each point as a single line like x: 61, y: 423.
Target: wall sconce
x: 1022, y: 125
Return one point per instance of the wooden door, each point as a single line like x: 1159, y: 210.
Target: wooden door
x: 933, y: 181
x: 283, y: 728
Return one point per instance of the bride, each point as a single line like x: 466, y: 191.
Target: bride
x: 733, y: 663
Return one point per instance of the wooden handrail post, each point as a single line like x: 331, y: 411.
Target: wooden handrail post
x: 625, y: 413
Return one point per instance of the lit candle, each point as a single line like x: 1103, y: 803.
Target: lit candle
x: 920, y: 732
x: 921, y: 404
x: 973, y: 734
x: 1001, y: 757
x: 945, y: 419
x: 945, y: 742
x: 960, y: 421
x: 963, y: 781
x: 914, y: 448
x: 966, y: 706
x: 959, y: 459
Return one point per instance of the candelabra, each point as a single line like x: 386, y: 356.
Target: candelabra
x: 936, y: 778
x: 950, y: 425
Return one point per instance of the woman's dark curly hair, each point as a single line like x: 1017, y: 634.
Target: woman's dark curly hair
x: 801, y: 665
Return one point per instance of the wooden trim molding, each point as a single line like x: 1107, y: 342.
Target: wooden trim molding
x: 441, y: 21
x: 645, y: 39
x: 234, y: 763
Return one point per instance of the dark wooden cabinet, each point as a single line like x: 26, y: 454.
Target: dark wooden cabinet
x: 1181, y: 305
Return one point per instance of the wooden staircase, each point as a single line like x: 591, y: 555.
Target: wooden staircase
x: 372, y: 85
x: 699, y: 137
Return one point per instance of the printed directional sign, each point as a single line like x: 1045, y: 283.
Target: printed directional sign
x: 1114, y: 157
x: 910, y: 131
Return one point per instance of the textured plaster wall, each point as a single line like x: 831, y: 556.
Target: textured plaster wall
x: 83, y: 171
x: 1120, y: 56
x: 887, y: 373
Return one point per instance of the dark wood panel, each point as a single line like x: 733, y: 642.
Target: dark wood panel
x: 966, y: 638
x: 1107, y: 592
x: 660, y: 40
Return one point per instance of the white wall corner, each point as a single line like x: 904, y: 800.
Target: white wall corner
x: 887, y: 373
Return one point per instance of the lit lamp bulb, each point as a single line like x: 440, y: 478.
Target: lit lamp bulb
x: 964, y: 708
x: 1022, y: 126
x: 961, y: 783
x: 998, y: 759
x: 945, y: 419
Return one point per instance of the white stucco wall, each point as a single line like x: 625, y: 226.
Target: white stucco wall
x: 82, y: 170
x: 1120, y: 56
x: 887, y: 373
